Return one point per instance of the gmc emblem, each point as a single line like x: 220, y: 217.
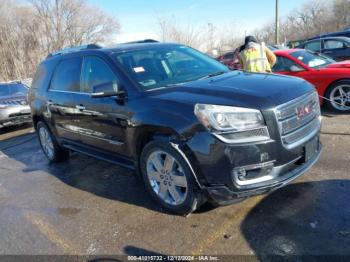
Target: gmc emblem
x: 303, y: 111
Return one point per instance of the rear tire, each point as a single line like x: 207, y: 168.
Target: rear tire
x: 168, y: 178
x: 339, y: 96
x: 52, y: 150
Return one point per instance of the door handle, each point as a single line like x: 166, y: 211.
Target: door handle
x: 80, y: 107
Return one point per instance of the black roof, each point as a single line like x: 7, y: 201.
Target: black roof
x: 119, y: 48
x: 331, y: 38
x: 136, y: 46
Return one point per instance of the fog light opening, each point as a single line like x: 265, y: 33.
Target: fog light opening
x: 253, y: 174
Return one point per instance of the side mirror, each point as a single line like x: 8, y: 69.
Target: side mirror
x: 106, y: 90
x: 295, y: 68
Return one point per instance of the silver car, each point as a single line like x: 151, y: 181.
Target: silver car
x: 14, y: 108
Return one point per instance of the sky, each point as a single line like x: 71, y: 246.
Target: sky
x: 138, y: 18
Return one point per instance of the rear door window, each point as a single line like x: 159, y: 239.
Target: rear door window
x: 67, y: 75
x: 333, y: 44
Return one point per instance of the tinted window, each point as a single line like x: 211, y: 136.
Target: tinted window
x: 333, y: 44
x: 39, y: 77
x: 96, y: 72
x: 13, y: 89
x: 67, y: 75
x: 166, y: 66
x: 284, y: 64
x: 229, y: 56
x: 314, y: 46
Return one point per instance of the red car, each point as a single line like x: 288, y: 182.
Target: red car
x: 331, y: 79
x: 231, y: 60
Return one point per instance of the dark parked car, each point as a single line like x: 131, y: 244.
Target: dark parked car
x: 345, y: 33
x: 14, y: 108
x: 337, y: 48
x: 192, y: 129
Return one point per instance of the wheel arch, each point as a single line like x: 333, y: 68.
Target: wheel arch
x: 328, y: 87
x: 36, y: 119
x: 170, y: 136
x: 335, y: 82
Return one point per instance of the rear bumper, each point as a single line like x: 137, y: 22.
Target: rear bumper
x: 223, y: 195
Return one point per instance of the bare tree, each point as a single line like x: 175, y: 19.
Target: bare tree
x: 315, y: 17
x: 29, y: 32
x: 72, y: 22
x: 170, y: 30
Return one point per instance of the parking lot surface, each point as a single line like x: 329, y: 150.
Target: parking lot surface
x: 86, y: 206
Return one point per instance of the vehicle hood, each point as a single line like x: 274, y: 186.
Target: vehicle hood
x: 6, y: 99
x: 260, y: 91
x: 342, y: 64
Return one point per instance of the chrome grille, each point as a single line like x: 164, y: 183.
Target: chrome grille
x: 299, y: 119
x: 14, y: 102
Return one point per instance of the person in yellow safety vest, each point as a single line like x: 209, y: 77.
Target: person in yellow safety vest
x: 255, y: 57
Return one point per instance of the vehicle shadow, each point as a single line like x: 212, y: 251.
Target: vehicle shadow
x: 85, y: 173
x: 136, y: 251
x: 10, y: 129
x: 329, y: 113
x: 311, y: 218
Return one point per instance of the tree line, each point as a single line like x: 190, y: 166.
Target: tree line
x: 313, y: 18
x: 30, y: 31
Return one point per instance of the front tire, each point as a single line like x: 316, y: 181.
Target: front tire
x: 168, y: 178
x: 52, y: 150
x: 339, y: 96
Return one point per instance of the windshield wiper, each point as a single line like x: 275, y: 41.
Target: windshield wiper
x: 204, y: 77
x: 213, y: 74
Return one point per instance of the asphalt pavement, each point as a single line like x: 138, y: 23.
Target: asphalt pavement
x: 88, y: 207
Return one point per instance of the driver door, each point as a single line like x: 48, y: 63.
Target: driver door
x: 103, y: 123
x: 286, y: 66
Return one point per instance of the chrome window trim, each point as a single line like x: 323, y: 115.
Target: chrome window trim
x: 113, y: 142
x: 70, y: 92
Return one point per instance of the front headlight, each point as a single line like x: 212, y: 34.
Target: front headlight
x: 233, y: 124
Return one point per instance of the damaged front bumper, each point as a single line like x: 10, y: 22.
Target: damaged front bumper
x: 223, y: 195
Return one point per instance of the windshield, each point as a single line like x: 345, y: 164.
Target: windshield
x: 13, y: 89
x: 167, y: 66
x: 311, y: 59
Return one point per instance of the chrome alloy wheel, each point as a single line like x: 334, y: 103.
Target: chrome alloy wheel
x: 167, y: 178
x: 340, y: 97
x: 46, y: 142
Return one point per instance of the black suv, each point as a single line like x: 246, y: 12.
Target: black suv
x: 192, y: 129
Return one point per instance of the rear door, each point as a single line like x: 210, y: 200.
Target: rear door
x: 63, y: 97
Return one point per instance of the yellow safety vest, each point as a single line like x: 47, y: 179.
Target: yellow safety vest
x: 255, y: 60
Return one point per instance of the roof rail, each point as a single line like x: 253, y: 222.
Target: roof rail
x: 74, y: 49
x: 11, y: 82
x: 142, y: 41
